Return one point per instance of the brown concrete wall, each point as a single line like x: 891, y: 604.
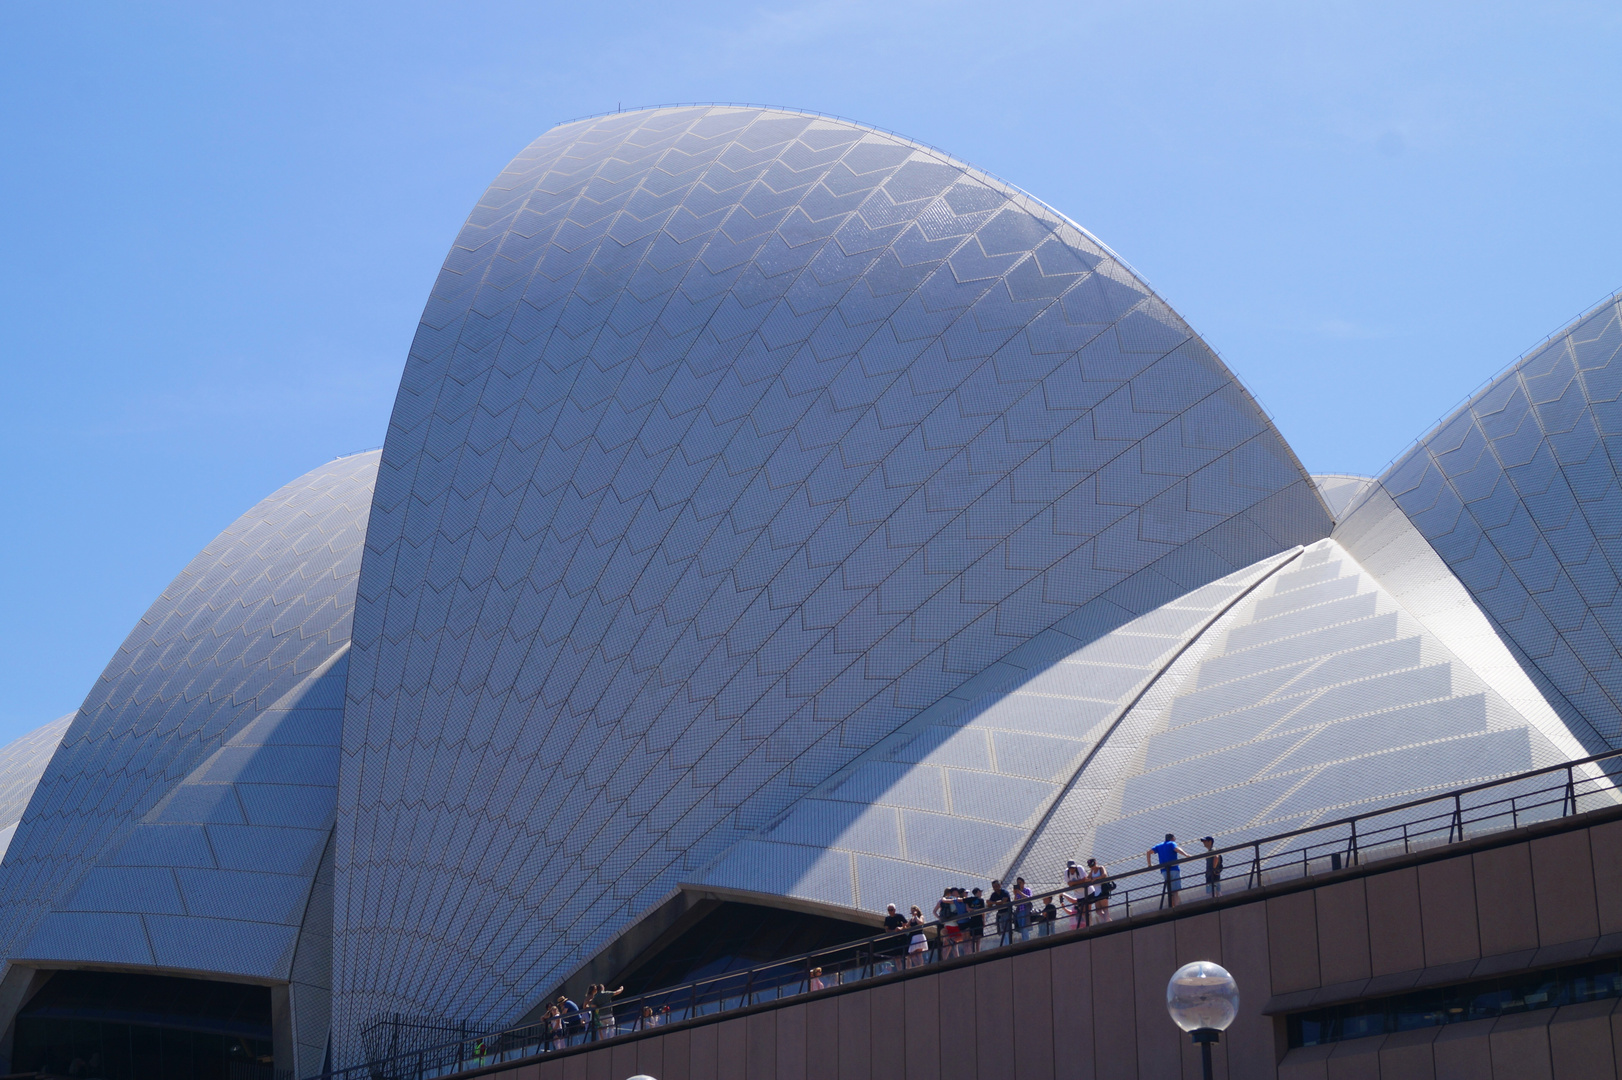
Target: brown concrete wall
x: 1091, y: 1006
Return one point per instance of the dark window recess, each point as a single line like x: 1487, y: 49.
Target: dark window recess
x: 114, y: 1026
x: 736, y: 936
x: 1455, y: 1004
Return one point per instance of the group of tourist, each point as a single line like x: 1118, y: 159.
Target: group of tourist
x: 563, y: 1019
x: 1013, y: 911
x: 961, y: 915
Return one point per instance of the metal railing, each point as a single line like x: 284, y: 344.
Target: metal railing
x: 1546, y: 794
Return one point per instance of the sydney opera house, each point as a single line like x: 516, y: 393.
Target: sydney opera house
x: 777, y: 519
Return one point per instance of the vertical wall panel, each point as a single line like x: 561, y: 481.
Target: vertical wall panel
x: 1563, y: 869
x: 1447, y: 911
x: 1248, y: 1047
x: 1343, y: 932
x: 1462, y: 1051
x: 650, y: 1057
x: 855, y: 1036
x: 1072, y: 1011
x: 1520, y: 1046
x: 623, y: 1062
x: 1115, y: 1029
x: 822, y: 1039
x: 958, y: 1029
x: 1035, y: 1003
x: 678, y: 1054
x: 1508, y: 912
x: 1154, y: 958
x: 923, y: 1010
x: 887, y: 1020
x: 1399, y: 943
x: 703, y: 1053
x: 994, y: 1017
x: 1605, y: 844
x: 1292, y: 940
x: 760, y: 1052
x: 1580, y: 1041
x: 1357, y: 1059
x: 731, y: 1049
x: 1408, y: 1055
x: 791, y: 1043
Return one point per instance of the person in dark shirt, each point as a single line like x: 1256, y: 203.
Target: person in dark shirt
x: 999, y: 900
x: 894, y: 923
x: 1213, y: 867
x: 1049, y: 917
x: 977, y: 919
x: 572, y: 1022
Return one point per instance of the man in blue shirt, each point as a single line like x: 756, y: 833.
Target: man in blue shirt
x: 1168, y: 853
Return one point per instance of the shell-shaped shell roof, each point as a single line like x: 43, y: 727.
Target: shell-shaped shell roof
x: 733, y: 439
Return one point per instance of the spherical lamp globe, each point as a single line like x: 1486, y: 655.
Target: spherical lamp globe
x: 1202, y: 996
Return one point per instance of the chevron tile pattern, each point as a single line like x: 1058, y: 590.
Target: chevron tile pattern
x: 955, y: 794
x: 244, y: 630
x: 1519, y: 493
x: 731, y: 440
x: 22, y: 763
x: 1317, y: 698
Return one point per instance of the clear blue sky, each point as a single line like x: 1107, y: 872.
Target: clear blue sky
x: 219, y: 222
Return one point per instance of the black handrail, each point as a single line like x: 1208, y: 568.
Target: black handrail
x: 890, y: 951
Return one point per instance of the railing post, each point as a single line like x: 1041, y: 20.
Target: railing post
x: 1255, y: 867
x: 1351, y: 846
x: 1458, y: 819
x: 1571, y: 791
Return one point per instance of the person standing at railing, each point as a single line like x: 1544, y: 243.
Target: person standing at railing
x: 918, y: 947
x: 600, y: 1010
x: 1098, y: 891
x: 1022, y: 908
x: 1213, y: 868
x: 977, y: 919
x: 999, y: 900
x: 552, y: 1027
x: 946, y: 912
x: 1073, y: 882
x: 817, y: 982
x: 1168, y: 853
x: 896, y: 923
x: 1049, y: 917
x: 569, y: 1012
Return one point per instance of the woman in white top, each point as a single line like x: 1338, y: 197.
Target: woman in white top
x: 1079, y: 897
x: 918, y: 947
x: 1096, y: 892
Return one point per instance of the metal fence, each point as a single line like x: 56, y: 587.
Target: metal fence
x: 1437, y: 820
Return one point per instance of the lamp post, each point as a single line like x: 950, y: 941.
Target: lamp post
x: 1203, y: 999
